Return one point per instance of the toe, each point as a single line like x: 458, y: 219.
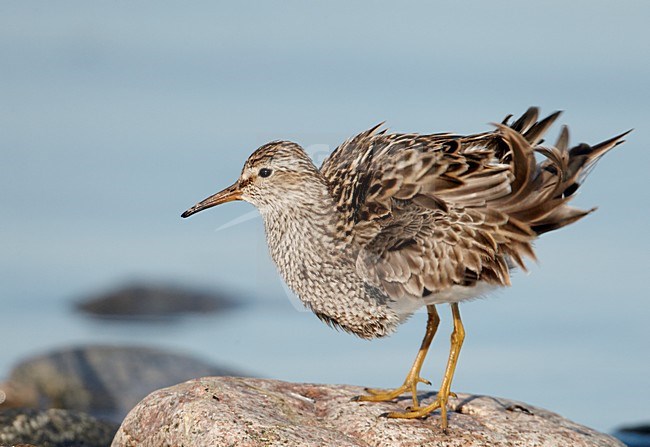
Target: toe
x: 374, y: 391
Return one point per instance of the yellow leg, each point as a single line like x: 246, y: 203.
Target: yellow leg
x: 457, y: 337
x: 413, y: 376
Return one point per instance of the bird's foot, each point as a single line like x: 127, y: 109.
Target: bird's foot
x: 421, y: 412
x: 377, y: 395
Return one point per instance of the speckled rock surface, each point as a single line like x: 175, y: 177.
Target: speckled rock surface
x: 230, y: 411
x: 53, y: 428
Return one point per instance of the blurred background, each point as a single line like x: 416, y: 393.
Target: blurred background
x: 117, y: 116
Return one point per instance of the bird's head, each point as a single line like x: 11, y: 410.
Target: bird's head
x: 277, y: 174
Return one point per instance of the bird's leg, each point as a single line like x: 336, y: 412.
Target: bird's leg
x: 457, y: 337
x: 413, y: 376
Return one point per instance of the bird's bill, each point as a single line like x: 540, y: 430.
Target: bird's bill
x: 227, y: 195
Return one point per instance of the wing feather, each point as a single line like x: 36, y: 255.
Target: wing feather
x: 429, y: 212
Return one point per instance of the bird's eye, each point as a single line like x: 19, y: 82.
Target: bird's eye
x: 264, y: 172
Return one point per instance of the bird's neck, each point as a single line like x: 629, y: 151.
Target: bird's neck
x: 303, y: 228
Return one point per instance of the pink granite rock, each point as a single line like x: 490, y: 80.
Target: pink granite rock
x: 230, y: 411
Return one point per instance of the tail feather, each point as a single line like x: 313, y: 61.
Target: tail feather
x: 559, y: 218
x: 526, y: 121
x: 540, y: 191
x: 536, y: 132
x: 584, y: 157
x: 562, y: 143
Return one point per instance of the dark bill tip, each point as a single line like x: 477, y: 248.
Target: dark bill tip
x: 227, y: 195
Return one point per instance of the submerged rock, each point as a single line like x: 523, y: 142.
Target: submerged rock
x: 53, y: 428
x: 146, y: 301
x: 634, y: 435
x: 227, y: 411
x: 104, y: 381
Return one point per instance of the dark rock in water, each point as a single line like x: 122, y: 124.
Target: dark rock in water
x: 145, y: 301
x: 229, y: 411
x: 634, y: 435
x: 104, y: 381
x: 53, y: 428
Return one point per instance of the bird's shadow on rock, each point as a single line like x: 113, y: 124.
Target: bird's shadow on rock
x: 429, y: 396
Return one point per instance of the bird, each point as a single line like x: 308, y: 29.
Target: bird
x: 394, y: 222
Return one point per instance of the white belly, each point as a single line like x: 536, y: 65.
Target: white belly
x: 404, y: 307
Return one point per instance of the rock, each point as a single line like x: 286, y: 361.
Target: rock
x: 104, y: 381
x: 147, y: 301
x: 53, y: 428
x: 634, y: 435
x: 229, y: 411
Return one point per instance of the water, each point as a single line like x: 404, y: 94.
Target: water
x: 113, y: 120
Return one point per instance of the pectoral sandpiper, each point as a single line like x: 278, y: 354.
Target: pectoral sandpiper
x: 394, y: 222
